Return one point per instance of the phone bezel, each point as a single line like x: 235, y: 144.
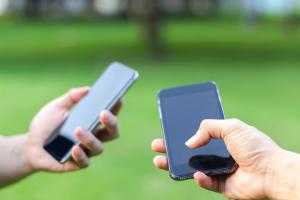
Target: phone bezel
x: 169, y: 92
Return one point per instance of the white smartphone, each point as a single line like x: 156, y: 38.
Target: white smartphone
x: 104, y: 94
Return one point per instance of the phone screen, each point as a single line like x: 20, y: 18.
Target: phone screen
x: 183, y: 109
x: 103, y: 95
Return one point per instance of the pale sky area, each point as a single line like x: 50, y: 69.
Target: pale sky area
x: 265, y: 6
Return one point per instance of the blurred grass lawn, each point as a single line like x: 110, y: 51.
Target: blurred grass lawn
x: 257, y: 72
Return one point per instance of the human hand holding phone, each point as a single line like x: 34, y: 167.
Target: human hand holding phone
x: 181, y: 110
x: 103, y: 95
x: 256, y: 154
x: 54, y: 114
x: 66, y: 132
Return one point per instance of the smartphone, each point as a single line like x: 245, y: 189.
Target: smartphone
x: 181, y: 111
x: 103, y: 95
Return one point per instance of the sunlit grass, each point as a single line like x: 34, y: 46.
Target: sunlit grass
x: 257, y: 72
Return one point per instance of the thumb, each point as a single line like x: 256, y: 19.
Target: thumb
x: 211, y: 128
x: 72, y: 97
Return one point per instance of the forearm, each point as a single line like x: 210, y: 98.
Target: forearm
x: 284, y: 179
x: 13, y: 164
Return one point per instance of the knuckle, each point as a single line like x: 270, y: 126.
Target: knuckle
x: 113, y: 122
x: 95, y: 146
x: 69, y: 95
x: 235, y: 123
x: 90, y: 141
x: 205, y: 123
x: 84, y: 162
x: 116, y: 133
x: 98, y: 149
x: 72, y: 90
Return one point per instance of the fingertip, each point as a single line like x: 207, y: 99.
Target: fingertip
x: 154, y: 144
x: 205, y: 181
x: 106, y: 117
x: 80, y: 157
x: 196, y: 141
x: 103, y: 113
x: 117, y: 107
x: 198, y: 175
x: 160, y: 162
x: 158, y: 145
x: 84, y: 89
x: 79, y: 92
x: 155, y: 159
x: 189, y: 143
x: 101, y: 118
x: 76, y: 152
x: 79, y: 132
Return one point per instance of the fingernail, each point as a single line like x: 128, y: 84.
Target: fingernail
x: 191, y: 140
x: 86, y: 88
x: 197, y: 175
x: 107, y: 116
x: 80, y: 132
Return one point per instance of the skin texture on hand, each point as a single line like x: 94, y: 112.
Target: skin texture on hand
x: 24, y: 154
x: 255, y: 153
x: 50, y: 117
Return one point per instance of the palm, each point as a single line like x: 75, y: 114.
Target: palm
x: 50, y: 117
x: 249, y: 151
x: 41, y: 127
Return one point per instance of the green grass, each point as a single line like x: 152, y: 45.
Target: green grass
x: 257, y: 72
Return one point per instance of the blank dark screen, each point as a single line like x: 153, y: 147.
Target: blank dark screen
x: 182, y: 115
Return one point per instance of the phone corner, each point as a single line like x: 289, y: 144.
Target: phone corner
x: 65, y: 159
x: 214, y: 83
x: 116, y: 63
x: 136, y: 75
x: 160, y: 92
x: 173, y: 176
x: 179, y: 177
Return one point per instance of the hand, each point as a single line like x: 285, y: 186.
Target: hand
x: 253, y: 151
x: 50, y: 117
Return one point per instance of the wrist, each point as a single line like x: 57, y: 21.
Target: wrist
x: 22, y: 147
x: 14, y: 166
x: 282, y: 180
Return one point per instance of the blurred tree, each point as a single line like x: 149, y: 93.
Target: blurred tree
x: 251, y: 12
x: 291, y: 19
x: 152, y: 21
x: 32, y: 8
x: 203, y: 8
x: 148, y: 12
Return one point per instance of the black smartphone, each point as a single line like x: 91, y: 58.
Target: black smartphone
x: 181, y: 111
x: 103, y: 95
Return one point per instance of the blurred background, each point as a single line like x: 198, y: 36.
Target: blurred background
x: 251, y: 48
